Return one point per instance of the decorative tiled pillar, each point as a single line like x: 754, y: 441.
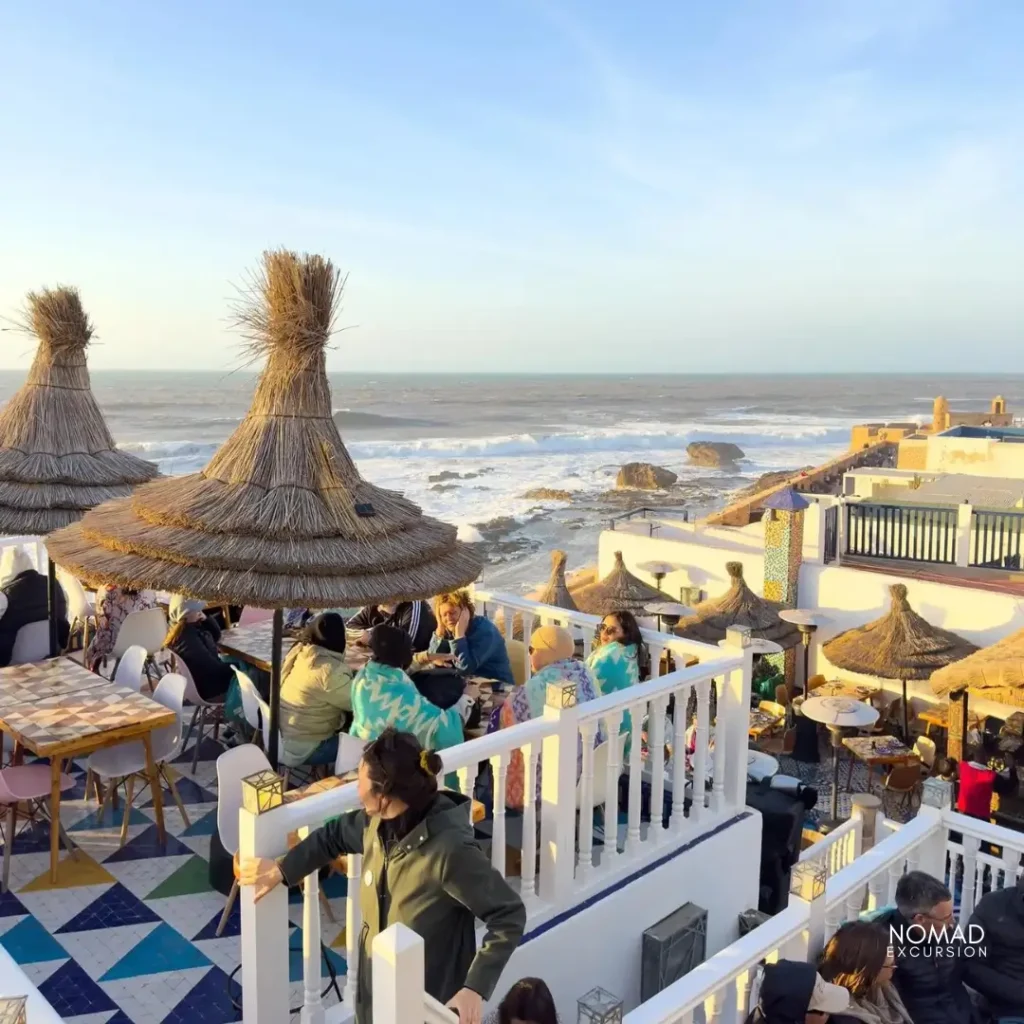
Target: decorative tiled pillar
x: 783, y: 554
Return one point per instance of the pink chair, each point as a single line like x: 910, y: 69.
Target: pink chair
x: 254, y: 616
x: 29, y: 783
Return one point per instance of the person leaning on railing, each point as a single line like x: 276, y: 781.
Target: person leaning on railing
x: 421, y: 868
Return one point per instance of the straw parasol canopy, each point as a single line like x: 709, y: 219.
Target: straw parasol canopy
x: 555, y: 592
x: 738, y: 606
x: 57, y: 457
x: 995, y: 673
x: 620, y: 590
x: 899, y: 645
x: 280, y: 517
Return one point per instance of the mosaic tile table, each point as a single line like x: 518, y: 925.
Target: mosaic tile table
x: 253, y: 645
x: 127, y: 936
x: 851, y: 690
x: 875, y: 751
x: 24, y: 684
x: 65, y: 725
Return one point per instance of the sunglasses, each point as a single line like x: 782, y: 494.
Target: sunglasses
x: 605, y: 628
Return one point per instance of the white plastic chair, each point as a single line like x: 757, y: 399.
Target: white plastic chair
x: 599, y: 788
x: 131, y: 668
x: 145, y: 629
x: 250, y: 703
x: 81, y: 610
x: 350, y: 753
x: 208, y: 712
x: 31, y: 644
x: 924, y: 747
x: 127, y: 761
x: 233, y: 766
x: 283, y: 760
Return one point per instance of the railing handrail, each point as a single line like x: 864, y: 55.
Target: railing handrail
x: 437, y: 1013
x: 997, y: 835
x: 815, y: 850
x: 719, y: 970
x: 1009, y: 513
x: 909, y: 506
x: 630, y: 514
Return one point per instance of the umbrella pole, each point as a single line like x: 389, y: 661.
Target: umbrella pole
x: 906, y: 716
x: 837, y: 740
x: 275, y: 684
x: 51, y: 605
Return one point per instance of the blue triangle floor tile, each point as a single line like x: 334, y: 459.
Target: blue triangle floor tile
x: 108, y: 817
x: 33, y: 838
x: 209, y: 751
x: 119, y: 1018
x: 209, y: 1001
x: 204, y: 826
x: 163, y: 949
x: 70, y: 991
x: 147, y: 844
x: 295, y: 970
x: 189, y: 791
x: 77, y: 792
x: 29, y: 942
x: 118, y: 906
x: 10, y: 905
x: 232, y: 927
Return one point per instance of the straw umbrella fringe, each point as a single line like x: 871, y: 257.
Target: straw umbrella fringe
x: 620, y: 590
x: 738, y: 606
x: 898, y: 645
x: 995, y: 672
x: 57, y: 456
x: 280, y: 517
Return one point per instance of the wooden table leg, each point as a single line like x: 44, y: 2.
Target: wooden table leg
x: 54, y: 816
x: 154, y: 785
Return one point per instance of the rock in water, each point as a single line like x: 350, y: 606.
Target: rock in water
x: 547, y: 494
x: 713, y: 453
x: 642, y: 476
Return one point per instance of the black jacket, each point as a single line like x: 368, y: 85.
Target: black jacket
x: 413, y: 617
x: 27, y: 603
x: 999, y: 975
x: 785, y: 993
x: 932, y: 988
x: 196, y: 645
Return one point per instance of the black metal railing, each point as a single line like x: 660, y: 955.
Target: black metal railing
x: 915, y: 533
x: 648, y: 513
x: 996, y: 539
x: 831, y: 533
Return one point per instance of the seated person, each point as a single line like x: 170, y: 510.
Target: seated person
x: 193, y: 637
x: 551, y: 661
x: 383, y: 695
x: 415, y: 617
x: 999, y: 975
x: 316, y: 692
x: 113, y: 606
x: 24, y: 600
x: 615, y: 662
x: 469, y: 642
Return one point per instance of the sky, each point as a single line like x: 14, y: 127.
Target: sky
x: 527, y: 185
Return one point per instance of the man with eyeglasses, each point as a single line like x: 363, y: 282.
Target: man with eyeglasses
x: 930, y: 971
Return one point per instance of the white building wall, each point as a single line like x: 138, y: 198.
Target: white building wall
x: 601, y: 944
x: 978, y: 456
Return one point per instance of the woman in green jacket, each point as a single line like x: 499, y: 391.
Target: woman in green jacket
x: 421, y: 868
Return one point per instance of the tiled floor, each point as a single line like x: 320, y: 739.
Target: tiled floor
x: 126, y: 936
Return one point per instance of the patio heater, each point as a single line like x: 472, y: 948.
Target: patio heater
x: 659, y: 569
x: 807, y: 622
x: 669, y: 613
x: 838, y: 713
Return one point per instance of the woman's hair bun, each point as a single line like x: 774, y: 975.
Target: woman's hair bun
x: 434, y: 762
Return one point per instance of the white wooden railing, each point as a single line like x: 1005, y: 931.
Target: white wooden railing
x: 839, y: 848
x: 564, y: 874
x: 33, y: 544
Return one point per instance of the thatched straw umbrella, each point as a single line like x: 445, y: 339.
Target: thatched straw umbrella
x: 738, y: 606
x: 899, y: 645
x: 57, y: 457
x: 280, y: 517
x: 620, y: 590
x: 555, y: 593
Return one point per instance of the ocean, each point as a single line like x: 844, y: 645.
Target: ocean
x: 467, y: 448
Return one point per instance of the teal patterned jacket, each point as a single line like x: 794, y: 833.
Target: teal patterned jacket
x: 615, y: 667
x: 383, y: 696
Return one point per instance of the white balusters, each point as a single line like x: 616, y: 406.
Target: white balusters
x: 971, y: 846
x: 878, y: 890
x: 895, y: 874
x: 508, y: 621
x: 353, y: 926
x: 499, y: 769
x: 585, y: 863
x: 1011, y: 864
x: 681, y: 700
x: 834, y: 918
x: 528, y: 622
x: 528, y: 873
x: 636, y: 713
x: 722, y: 752
x: 700, y: 757
x: 952, y: 865
x: 656, y: 762
x: 612, y: 722
x: 312, y: 1005
x: 715, y: 1007
x: 855, y: 903
x: 467, y: 781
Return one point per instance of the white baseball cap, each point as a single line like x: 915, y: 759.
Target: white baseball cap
x: 828, y: 998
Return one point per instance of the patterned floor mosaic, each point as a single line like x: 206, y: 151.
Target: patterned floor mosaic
x: 127, y: 935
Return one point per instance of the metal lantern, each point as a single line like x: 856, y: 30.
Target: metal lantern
x: 738, y: 636
x: 808, y: 878
x: 262, y: 791
x: 599, y: 1007
x: 12, y: 1010
x: 561, y: 695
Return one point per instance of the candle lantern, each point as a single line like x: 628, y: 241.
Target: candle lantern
x: 262, y: 792
x: 561, y: 695
x: 808, y: 878
x: 12, y: 1010
x: 599, y: 1007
